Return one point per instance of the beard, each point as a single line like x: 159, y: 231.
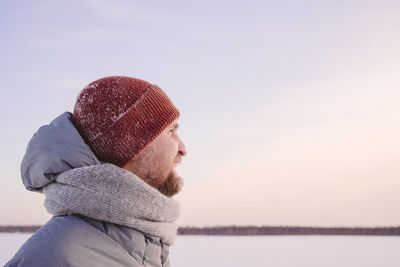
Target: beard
x: 155, y: 173
x: 172, y: 185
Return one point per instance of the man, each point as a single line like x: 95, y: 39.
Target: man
x: 108, y: 174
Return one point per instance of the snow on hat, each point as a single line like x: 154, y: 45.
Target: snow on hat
x: 119, y: 116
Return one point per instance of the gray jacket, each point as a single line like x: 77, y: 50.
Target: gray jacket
x: 75, y: 240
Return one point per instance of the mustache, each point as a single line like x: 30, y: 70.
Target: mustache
x: 178, y: 159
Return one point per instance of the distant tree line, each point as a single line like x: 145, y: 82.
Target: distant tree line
x: 19, y: 229
x: 253, y: 230
x: 288, y: 230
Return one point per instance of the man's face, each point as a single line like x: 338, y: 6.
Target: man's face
x: 156, y: 163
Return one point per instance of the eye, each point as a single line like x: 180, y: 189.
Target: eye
x: 173, y: 130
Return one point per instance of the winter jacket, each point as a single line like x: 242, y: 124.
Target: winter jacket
x: 76, y: 240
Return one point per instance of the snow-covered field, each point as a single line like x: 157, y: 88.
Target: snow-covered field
x: 276, y: 251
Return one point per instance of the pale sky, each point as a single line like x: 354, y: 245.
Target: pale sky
x: 290, y: 111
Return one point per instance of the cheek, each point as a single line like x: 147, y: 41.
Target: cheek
x: 168, y: 153
x: 168, y: 147
x: 165, y: 149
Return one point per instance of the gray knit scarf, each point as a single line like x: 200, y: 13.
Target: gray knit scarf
x: 108, y: 193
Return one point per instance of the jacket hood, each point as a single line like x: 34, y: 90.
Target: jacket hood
x: 54, y: 149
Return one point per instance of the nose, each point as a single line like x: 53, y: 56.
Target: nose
x: 182, y: 148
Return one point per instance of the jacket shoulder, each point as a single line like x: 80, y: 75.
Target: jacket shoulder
x: 149, y: 250
x: 71, y: 241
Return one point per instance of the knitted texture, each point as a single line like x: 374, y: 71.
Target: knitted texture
x: 119, y: 116
x: 112, y: 194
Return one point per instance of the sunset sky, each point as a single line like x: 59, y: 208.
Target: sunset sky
x: 290, y: 110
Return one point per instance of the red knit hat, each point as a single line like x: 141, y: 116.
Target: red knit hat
x: 119, y: 116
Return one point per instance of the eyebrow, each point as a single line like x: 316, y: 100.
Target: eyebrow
x: 175, y: 126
